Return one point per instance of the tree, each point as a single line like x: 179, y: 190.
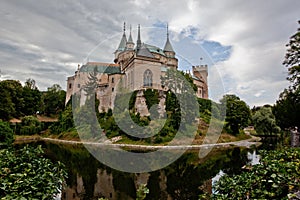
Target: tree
x: 237, y: 113
x: 287, y: 108
x: 6, y: 134
x: 292, y: 59
x: 264, y: 121
x: 54, y: 100
x: 65, y: 120
x: 32, y: 98
x: 11, y: 99
x: 30, y: 125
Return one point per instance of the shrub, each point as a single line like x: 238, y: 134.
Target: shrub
x: 276, y: 177
x: 6, y: 134
x: 25, y: 174
x: 30, y: 125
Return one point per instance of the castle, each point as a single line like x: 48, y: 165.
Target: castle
x: 140, y: 66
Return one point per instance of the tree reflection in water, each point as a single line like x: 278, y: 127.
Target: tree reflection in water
x: 184, y: 179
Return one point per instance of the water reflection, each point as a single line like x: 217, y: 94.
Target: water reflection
x: 185, y: 179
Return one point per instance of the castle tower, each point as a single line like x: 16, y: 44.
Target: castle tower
x: 130, y: 43
x: 123, y: 42
x: 168, y: 49
x: 200, y: 73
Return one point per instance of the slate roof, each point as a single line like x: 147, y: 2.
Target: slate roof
x: 144, y: 51
x: 122, y: 44
x: 155, y: 49
x: 168, y: 46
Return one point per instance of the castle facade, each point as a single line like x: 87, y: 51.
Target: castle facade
x: 140, y: 66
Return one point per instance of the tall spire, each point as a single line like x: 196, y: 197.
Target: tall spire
x: 130, y: 43
x: 168, y: 46
x: 138, y: 42
x: 123, y: 42
x: 130, y: 37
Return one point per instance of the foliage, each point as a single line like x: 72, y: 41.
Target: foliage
x: 142, y: 192
x: 173, y: 81
x: 151, y: 97
x: 11, y: 101
x: 287, y: 109
x: 30, y: 125
x: 292, y: 59
x: 25, y: 174
x: 6, y: 134
x: 275, y: 177
x: 237, y: 113
x: 65, y: 121
x: 17, y: 101
x: 264, y: 121
x: 32, y: 98
x: 53, y: 100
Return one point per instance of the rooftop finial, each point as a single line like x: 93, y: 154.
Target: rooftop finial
x: 167, y: 30
x: 124, y: 28
x: 139, y: 42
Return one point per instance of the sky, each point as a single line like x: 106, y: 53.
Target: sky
x: 242, y: 42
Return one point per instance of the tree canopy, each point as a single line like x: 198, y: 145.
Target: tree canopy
x: 292, y: 59
x: 264, y: 121
x: 287, y: 107
x: 237, y: 113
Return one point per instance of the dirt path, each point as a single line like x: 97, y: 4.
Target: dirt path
x: 243, y: 143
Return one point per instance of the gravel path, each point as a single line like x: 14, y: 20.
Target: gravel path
x: 243, y: 143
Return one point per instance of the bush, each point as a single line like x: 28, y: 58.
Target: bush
x: 25, y: 174
x: 30, y: 125
x: 6, y: 134
x: 276, y: 177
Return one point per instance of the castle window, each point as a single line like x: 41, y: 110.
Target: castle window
x: 112, y: 89
x: 112, y: 79
x: 148, y: 78
x: 78, y: 85
x: 70, y: 85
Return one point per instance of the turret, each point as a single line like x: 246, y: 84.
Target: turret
x: 168, y: 50
x: 122, y: 45
x: 130, y: 43
x: 201, y: 72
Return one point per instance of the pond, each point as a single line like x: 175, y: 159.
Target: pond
x: 186, y: 178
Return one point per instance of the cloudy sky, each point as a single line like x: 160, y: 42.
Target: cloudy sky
x: 243, y: 42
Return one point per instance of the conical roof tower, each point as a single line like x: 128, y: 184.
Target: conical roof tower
x: 122, y: 45
x: 168, y: 49
x: 130, y: 43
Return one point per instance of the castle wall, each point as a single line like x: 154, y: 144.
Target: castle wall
x: 139, y: 68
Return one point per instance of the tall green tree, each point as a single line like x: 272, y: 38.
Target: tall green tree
x: 6, y: 134
x: 237, y: 113
x: 292, y: 59
x: 54, y: 100
x: 287, y: 107
x: 264, y: 121
x: 32, y: 98
x: 11, y: 99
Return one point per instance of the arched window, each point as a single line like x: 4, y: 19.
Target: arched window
x: 148, y: 78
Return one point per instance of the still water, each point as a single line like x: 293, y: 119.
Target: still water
x: 184, y: 179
